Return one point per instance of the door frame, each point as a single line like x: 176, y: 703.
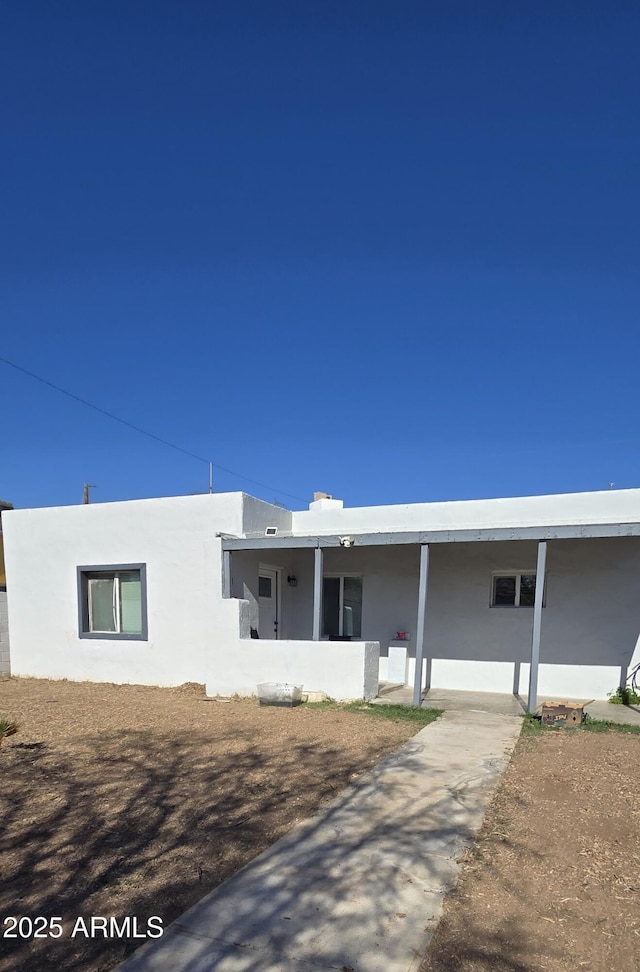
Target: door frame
x: 272, y: 569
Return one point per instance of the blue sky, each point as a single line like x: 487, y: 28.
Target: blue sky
x: 389, y: 251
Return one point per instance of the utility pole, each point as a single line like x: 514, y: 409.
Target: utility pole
x: 87, y: 487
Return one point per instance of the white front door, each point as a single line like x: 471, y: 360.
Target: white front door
x: 268, y: 597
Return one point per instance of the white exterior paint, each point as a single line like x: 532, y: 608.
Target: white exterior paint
x: 5, y: 662
x: 621, y: 505
x: 194, y: 633
x: 326, y: 503
x: 397, y: 670
x: 342, y: 670
x: 590, y: 622
x: 174, y: 537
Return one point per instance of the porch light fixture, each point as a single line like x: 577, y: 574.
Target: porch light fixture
x: 292, y: 581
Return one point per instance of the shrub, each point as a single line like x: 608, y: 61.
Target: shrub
x: 623, y: 695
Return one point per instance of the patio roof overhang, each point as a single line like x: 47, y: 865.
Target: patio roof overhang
x: 566, y: 532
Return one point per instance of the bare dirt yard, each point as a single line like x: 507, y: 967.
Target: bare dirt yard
x: 130, y: 801
x: 134, y: 801
x: 553, y: 884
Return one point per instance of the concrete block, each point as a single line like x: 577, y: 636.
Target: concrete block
x: 314, y: 696
x: 397, y: 671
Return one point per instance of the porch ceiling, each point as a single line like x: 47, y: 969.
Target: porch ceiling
x: 568, y: 532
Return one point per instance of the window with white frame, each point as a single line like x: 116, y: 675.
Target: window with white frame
x: 113, y: 602
x: 513, y: 589
x: 342, y: 606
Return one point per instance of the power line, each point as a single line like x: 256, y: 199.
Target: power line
x: 103, y: 411
x: 136, y: 428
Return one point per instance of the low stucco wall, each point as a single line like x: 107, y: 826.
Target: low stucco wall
x: 344, y: 670
x: 559, y: 681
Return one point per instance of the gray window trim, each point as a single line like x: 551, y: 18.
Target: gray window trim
x: 83, y: 603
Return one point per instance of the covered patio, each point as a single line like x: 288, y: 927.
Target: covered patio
x: 465, y: 598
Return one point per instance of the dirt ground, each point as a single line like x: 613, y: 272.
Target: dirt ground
x: 554, y: 882
x: 134, y: 801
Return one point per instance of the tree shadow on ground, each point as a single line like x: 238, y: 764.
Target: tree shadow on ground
x: 140, y: 826
x: 503, y: 950
x: 386, y: 880
x: 144, y: 824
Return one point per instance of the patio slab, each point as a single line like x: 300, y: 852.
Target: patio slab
x: 622, y: 714
x: 361, y: 885
x: 454, y: 700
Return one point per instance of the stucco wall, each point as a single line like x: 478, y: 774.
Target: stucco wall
x: 245, y: 568
x: 590, y: 622
x: 5, y: 662
x: 258, y: 515
x: 194, y: 634
x: 175, y: 537
x: 342, y: 670
x: 604, y: 506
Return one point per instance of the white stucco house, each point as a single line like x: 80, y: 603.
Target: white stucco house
x: 530, y: 595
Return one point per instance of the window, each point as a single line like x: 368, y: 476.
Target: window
x: 264, y: 587
x: 342, y: 607
x: 113, y: 602
x: 513, y: 590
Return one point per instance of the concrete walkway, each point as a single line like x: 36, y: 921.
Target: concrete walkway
x: 360, y: 886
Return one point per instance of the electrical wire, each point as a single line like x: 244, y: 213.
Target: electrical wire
x: 150, y: 435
